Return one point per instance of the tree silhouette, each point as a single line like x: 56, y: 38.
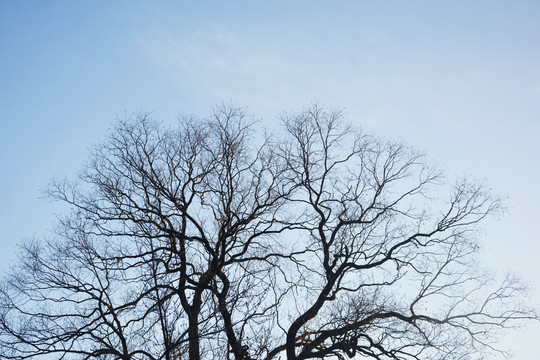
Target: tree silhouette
x: 211, y: 241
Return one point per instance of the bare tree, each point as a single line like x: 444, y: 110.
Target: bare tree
x: 210, y: 241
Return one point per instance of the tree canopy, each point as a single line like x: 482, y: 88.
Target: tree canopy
x: 211, y: 240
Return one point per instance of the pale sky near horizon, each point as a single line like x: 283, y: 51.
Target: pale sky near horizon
x: 459, y: 80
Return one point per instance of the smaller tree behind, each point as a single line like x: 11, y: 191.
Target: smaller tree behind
x: 199, y: 242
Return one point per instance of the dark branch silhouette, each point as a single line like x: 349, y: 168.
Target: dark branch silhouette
x: 209, y: 240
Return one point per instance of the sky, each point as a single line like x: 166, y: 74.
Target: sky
x: 459, y: 80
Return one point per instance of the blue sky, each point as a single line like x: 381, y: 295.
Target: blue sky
x: 460, y: 80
